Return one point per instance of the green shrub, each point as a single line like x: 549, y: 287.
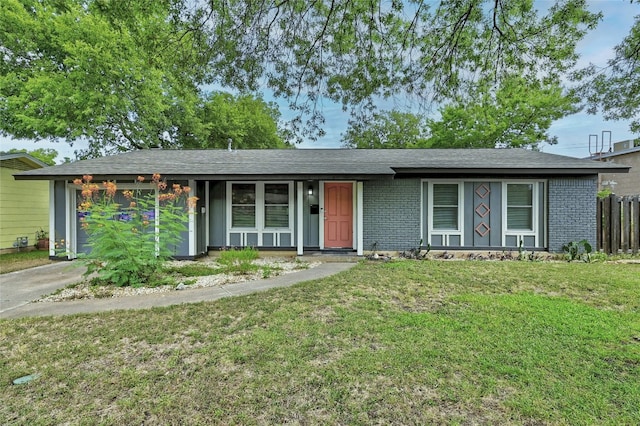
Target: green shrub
x: 580, y: 250
x: 240, y: 262
x: 129, y: 243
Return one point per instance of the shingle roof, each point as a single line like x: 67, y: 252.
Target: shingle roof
x: 323, y: 163
x: 20, y: 161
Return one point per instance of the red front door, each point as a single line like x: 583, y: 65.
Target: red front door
x: 338, y: 215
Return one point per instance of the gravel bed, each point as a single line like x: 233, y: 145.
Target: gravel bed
x: 83, y: 290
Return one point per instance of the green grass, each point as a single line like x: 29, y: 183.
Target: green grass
x: 384, y: 343
x: 10, y: 262
x: 238, y: 261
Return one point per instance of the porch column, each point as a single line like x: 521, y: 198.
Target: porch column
x: 192, y: 222
x: 205, y: 215
x: 71, y: 234
x: 300, y: 219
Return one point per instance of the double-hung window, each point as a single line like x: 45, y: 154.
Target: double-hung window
x: 523, y: 214
x: 276, y: 205
x: 445, y: 206
x: 520, y: 207
x: 444, y: 216
x: 243, y: 205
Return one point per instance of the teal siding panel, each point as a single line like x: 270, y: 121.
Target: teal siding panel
x: 495, y: 221
x: 311, y: 230
x: 217, y: 218
x: 201, y: 229
x: 483, y: 214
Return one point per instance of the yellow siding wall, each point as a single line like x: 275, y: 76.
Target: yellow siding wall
x: 24, y: 208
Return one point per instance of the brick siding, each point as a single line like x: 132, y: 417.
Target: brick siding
x: 572, y: 211
x: 391, y: 214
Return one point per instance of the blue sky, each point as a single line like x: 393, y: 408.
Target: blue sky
x: 573, y: 131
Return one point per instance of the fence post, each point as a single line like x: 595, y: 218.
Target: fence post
x: 615, y: 224
x: 635, y: 224
x: 625, y: 223
x: 606, y: 222
x: 599, y: 222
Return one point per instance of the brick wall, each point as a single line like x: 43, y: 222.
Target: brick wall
x: 572, y: 211
x: 391, y: 214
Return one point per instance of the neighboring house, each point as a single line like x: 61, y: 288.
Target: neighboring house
x: 24, y: 206
x: 303, y: 200
x: 627, y: 153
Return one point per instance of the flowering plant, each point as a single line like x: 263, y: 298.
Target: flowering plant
x: 41, y: 234
x: 131, y: 232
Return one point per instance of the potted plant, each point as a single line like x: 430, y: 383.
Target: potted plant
x: 42, y: 238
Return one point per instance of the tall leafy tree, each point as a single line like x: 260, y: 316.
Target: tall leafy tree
x: 117, y: 74
x: 125, y: 75
x: 354, y: 52
x: 250, y: 122
x: 615, y: 89
x: 387, y: 129
x: 516, y: 114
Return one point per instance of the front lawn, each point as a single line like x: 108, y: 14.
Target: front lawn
x: 10, y: 262
x: 406, y: 342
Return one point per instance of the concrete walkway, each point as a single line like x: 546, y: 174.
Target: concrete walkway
x: 18, y: 289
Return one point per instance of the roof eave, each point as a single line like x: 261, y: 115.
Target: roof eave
x: 213, y: 177
x: 511, y: 172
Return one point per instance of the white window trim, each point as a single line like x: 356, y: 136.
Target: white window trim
x: 520, y: 234
x: 259, y: 227
x: 446, y: 233
x: 536, y: 232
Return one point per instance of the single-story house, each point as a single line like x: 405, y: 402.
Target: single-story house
x: 346, y: 199
x: 24, y: 206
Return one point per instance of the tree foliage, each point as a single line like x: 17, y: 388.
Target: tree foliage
x: 516, y: 114
x: 126, y: 75
x: 387, y: 129
x: 117, y: 74
x: 250, y: 122
x: 357, y: 51
x: 615, y: 89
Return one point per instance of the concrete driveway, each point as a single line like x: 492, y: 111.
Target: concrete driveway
x: 21, y: 287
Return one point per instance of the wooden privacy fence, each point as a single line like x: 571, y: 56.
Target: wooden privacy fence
x: 619, y: 224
